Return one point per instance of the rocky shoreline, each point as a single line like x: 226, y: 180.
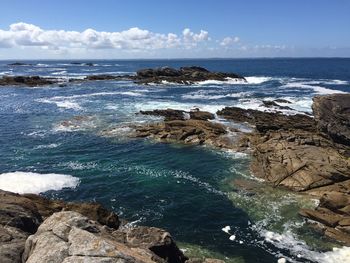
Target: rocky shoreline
x: 184, y: 75
x: 297, y: 152
x: 34, y: 229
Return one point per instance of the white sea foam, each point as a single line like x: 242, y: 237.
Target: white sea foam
x: 307, y: 85
x: 47, y: 146
x: 153, y: 105
x: 28, y: 182
x: 298, y: 248
x: 210, y: 95
x: 257, y: 80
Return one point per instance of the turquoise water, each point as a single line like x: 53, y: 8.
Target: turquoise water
x: 188, y: 190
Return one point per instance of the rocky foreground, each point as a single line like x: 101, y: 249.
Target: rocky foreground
x: 298, y: 152
x: 34, y: 229
x: 184, y: 75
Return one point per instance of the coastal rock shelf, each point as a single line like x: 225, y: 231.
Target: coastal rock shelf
x: 297, y: 152
x: 34, y: 229
x: 184, y: 75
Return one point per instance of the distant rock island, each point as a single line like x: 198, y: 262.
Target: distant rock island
x: 163, y: 75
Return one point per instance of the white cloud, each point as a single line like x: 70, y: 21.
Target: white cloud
x: 228, y: 41
x: 23, y: 34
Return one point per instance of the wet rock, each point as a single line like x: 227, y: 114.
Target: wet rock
x: 274, y: 104
x: 332, y: 114
x: 184, y: 75
x: 282, y: 101
x: 30, y: 81
x: 168, y: 114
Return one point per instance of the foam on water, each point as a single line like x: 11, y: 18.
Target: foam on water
x: 65, y: 104
x: 307, y: 85
x: 28, y: 182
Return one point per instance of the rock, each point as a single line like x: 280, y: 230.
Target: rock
x: 201, y: 115
x: 332, y: 114
x: 274, y: 104
x: 185, y: 131
x: 19, y: 218
x: 267, y: 121
x: 70, y: 237
x: 282, y: 101
x: 171, y: 114
x: 184, y: 75
x: 168, y: 114
x: 19, y: 64
x: 30, y: 81
x: 94, y: 211
x: 103, y: 77
x: 298, y: 160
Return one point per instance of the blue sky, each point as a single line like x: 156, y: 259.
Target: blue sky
x: 174, y: 29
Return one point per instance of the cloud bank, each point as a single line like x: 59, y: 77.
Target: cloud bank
x: 24, y: 35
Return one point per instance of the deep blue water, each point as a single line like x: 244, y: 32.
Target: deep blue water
x: 187, y: 190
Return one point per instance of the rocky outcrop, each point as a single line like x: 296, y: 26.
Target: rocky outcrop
x: 70, y: 237
x: 306, y: 155
x: 30, y: 81
x: 333, y: 215
x: 21, y: 215
x: 267, y: 121
x: 192, y: 127
x: 34, y: 229
x: 184, y: 75
x: 332, y: 114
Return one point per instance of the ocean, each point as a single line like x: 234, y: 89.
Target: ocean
x: 188, y: 190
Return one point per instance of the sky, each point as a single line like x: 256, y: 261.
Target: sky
x: 122, y: 29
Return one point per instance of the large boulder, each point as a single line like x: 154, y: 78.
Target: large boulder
x: 21, y: 215
x: 70, y: 237
x: 332, y: 114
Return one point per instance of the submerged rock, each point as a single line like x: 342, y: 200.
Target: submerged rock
x: 184, y: 75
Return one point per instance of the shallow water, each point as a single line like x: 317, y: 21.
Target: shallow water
x: 187, y: 190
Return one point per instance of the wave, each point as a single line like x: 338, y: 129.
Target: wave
x: 65, y: 104
x: 28, y: 182
x: 47, y: 146
x: 308, y: 85
x: 203, y: 94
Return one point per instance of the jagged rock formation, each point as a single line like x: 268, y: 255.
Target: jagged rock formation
x: 184, y: 75
x: 34, y: 229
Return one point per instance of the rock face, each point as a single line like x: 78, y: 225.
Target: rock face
x: 184, y: 75
x: 37, y: 230
x: 25, y: 81
x: 332, y: 114
x: 70, y: 237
